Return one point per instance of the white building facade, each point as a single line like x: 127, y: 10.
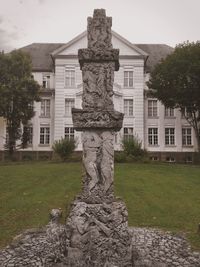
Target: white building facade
x: 163, y: 132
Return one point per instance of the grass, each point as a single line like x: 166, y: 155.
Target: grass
x: 156, y: 195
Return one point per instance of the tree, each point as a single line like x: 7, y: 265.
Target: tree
x: 176, y: 83
x: 18, y: 91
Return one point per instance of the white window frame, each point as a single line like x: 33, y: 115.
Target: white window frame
x: 70, y: 75
x: 46, y: 81
x: 186, y: 136
x: 69, y: 133
x: 152, y: 108
x: 153, y: 136
x: 45, y: 108
x: 169, y: 112
x: 44, y: 135
x: 128, y: 78
x: 69, y: 104
x: 128, y: 107
x: 170, y: 136
x: 128, y: 133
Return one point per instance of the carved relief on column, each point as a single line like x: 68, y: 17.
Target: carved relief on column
x: 98, y: 85
x: 98, y: 158
x: 99, y: 235
x: 99, y: 30
x: 98, y: 120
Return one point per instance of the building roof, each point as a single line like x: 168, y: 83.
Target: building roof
x: 41, y: 53
x: 156, y: 53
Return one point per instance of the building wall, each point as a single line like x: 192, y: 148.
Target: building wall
x: 161, y: 122
x: 140, y: 122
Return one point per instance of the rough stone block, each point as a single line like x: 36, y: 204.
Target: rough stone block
x: 97, y: 119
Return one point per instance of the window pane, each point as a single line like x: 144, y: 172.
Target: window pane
x: 128, y: 78
x: 152, y: 108
x: 69, y: 133
x: 69, y: 77
x: 169, y: 136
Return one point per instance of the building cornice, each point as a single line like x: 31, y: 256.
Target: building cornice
x: 120, y: 57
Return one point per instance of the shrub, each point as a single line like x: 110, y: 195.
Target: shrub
x: 64, y: 148
x: 133, y: 148
x: 120, y: 157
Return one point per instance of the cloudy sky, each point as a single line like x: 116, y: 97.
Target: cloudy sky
x: 140, y: 21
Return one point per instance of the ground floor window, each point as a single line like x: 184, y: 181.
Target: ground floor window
x: 153, y: 136
x: 69, y: 133
x: 128, y: 133
x: 44, y: 135
x: 170, y: 136
x: 186, y: 136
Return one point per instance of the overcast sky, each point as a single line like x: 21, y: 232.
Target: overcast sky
x: 23, y: 22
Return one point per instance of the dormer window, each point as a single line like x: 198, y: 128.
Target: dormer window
x: 46, y: 81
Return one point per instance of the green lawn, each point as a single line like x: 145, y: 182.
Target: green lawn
x: 157, y: 195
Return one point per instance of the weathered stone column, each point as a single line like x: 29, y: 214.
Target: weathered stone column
x: 97, y: 223
x: 98, y: 120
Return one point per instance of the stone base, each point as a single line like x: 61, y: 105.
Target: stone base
x: 49, y: 247
x: 99, y: 235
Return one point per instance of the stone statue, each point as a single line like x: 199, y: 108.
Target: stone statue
x: 98, y: 222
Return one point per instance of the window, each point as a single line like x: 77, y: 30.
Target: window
x: 186, y: 136
x: 46, y: 81
x: 186, y: 113
x: 188, y: 159
x: 69, y: 77
x: 170, y: 159
x: 44, y: 135
x: 29, y: 130
x: 128, y: 107
x: 152, y: 108
x: 154, y: 158
x: 69, y: 133
x: 169, y: 136
x: 128, y: 133
x: 128, y: 78
x: 169, y: 112
x: 153, y: 136
x: 69, y: 104
x: 45, y: 108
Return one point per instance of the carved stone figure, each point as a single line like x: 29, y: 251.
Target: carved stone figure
x: 99, y: 30
x: 107, y: 160
x: 92, y: 144
x: 102, y: 234
x: 98, y: 86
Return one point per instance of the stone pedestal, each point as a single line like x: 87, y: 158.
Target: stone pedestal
x: 99, y: 235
